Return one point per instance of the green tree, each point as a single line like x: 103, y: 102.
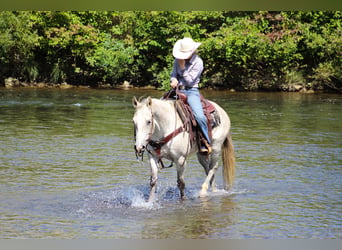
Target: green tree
x: 18, y: 42
x: 246, y: 50
x: 112, y: 60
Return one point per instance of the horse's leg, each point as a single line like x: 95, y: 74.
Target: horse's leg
x: 181, y: 162
x: 154, y: 178
x: 212, y: 180
x: 204, y: 160
x: 210, y: 165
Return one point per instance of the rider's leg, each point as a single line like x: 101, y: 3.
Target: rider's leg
x: 196, y: 106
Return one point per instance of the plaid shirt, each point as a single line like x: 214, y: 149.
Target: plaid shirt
x: 191, y: 74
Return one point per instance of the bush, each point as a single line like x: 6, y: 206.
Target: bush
x: 18, y: 42
x: 327, y: 76
x: 111, y: 60
x: 261, y: 50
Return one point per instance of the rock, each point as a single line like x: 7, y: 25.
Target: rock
x: 307, y: 91
x: 11, y: 82
x: 126, y: 85
x: 64, y: 85
x: 23, y: 84
x: 41, y: 85
x: 104, y: 86
x: 297, y: 87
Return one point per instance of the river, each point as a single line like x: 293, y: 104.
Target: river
x: 68, y: 169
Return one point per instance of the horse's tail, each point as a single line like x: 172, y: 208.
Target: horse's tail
x: 228, y: 159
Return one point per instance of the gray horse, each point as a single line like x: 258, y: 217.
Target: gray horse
x: 160, y: 131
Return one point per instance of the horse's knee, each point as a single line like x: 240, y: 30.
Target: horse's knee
x: 153, y: 181
x: 181, y: 184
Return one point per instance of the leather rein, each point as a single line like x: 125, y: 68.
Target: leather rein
x: 158, y: 144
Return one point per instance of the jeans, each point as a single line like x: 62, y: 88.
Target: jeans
x: 194, y: 101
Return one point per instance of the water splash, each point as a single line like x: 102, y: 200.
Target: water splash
x: 132, y: 199
x: 138, y: 199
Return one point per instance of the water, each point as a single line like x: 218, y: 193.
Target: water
x: 68, y: 169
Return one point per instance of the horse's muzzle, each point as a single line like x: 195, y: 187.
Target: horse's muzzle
x: 139, y: 151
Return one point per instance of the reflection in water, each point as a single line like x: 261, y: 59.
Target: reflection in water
x: 68, y: 169
x: 195, y: 218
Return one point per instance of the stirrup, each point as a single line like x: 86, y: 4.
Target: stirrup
x: 205, y: 147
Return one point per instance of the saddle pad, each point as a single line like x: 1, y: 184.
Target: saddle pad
x: 207, y: 106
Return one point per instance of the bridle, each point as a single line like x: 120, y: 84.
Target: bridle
x: 141, y: 154
x: 156, y: 145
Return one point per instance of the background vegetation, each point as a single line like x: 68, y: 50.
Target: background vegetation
x: 241, y: 50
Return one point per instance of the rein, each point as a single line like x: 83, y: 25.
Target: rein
x: 158, y: 144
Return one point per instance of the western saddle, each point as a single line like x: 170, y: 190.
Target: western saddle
x: 187, y: 116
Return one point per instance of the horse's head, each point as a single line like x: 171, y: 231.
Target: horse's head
x: 143, y: 123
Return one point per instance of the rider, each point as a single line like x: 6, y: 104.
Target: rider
x: 186, y: 73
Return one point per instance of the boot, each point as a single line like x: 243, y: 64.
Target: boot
x: 205, y: 147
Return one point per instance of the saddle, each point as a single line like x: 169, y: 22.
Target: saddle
x: 185, y: 112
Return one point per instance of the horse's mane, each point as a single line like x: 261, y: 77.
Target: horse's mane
x: 142, y: 99
x: 145, y: 100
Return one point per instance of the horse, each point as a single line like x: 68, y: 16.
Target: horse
x: 159, y: 129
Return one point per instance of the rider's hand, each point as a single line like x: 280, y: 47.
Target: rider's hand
x: 174, y: 83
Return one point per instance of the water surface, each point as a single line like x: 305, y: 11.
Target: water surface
x: 68, y: 169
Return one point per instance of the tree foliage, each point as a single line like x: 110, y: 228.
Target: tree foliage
x: 261, y: 50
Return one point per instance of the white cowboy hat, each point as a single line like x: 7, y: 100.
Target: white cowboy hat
x: 184, y: 48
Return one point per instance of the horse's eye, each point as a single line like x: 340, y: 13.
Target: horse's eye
x: 148, y: 122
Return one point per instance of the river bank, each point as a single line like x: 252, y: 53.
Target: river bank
x: 15, y: 83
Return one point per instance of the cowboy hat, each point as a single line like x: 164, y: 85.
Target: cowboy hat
x: 184, y: 48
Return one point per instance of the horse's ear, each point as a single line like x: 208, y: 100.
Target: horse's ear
x: 134, y: 102
x: 149, y: 101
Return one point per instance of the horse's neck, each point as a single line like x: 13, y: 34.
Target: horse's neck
x: 165, y: 117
